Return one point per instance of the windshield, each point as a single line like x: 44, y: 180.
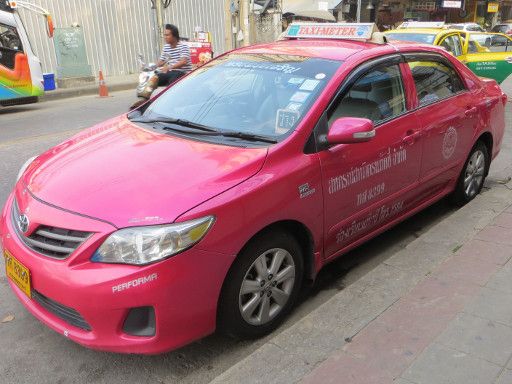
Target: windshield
x: 260, y: 94
x: 425, y: 38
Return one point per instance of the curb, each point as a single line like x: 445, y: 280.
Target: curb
x: 85, y: 90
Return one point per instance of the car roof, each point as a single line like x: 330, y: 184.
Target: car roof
x: 335, y: 49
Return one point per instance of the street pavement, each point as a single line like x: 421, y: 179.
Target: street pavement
x: 427, y: 302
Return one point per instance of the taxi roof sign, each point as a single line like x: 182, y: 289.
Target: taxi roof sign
x: 422, y: 24
x: 353, y: 31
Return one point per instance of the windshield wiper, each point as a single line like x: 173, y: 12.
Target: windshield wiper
x: 181, y: 122
x: 249, y: 136
x: 205, y: 130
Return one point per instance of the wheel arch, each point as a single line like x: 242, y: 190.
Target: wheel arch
x: 302, y: 235
x: 300, y: 232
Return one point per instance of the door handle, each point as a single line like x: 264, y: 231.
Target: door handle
x: 470, y: 111
x: 411, y: 136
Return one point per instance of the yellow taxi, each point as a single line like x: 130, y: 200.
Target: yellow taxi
x: 486, y: 54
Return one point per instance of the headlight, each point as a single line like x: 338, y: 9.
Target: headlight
x: 145, y: 245
x: 24, y: 167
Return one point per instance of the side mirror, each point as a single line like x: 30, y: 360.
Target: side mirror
x: 350, y: 130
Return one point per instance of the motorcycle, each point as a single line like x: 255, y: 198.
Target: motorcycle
x: 148, y: 70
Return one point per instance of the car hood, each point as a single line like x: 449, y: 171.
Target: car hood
x: 126, y: 175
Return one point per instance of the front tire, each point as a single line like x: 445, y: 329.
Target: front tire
x: 472, y: 176
x: 262, y: 286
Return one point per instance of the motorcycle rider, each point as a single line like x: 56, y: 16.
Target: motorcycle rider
x: 174, y: 62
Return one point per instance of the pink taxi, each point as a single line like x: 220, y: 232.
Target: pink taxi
x: 209, y: 206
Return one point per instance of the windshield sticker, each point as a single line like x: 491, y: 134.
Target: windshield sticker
x: 366, y: 170
x: 296, y: 80
x: 449, y: 142
x: 320, y: 76
x: 294, y: 106
x: 309, y: 85
x: 285, y: 120
x: 299, y: 97
x: 374, y: 218
x: 284, y: 68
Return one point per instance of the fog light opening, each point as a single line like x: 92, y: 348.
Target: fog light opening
x: 140, y: 322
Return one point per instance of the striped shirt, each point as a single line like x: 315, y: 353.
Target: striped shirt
x: 172, y: 55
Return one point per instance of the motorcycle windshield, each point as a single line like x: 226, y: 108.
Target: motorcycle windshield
x: 258, y: 94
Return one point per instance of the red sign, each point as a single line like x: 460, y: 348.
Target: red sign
x: 200, y: 53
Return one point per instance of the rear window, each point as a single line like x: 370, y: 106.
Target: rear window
x: 425, y: 38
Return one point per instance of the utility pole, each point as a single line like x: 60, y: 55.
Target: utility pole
x: 358, y: 14
x: 159, y: 22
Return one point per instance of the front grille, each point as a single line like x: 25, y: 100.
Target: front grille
x: 54, y: 242
x: 69, y: 315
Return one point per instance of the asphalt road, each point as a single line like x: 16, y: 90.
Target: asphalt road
x: 32, y: 353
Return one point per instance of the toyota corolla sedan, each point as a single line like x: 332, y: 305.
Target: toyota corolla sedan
x: 208, y: 207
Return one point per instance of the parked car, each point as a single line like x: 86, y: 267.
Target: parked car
x: 503, y: 28
x: 466, y: 27
x: 487, y: 54
x: 209, y: 206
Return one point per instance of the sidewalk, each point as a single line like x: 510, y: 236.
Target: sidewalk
x: 114, y: 83
x: 439, y: 311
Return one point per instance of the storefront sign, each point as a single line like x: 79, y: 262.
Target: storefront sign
x: 452, y: 4
x: 424, y: 5
x: 492, y: 7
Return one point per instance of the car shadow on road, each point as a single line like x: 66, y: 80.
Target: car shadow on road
x: 15, y: 109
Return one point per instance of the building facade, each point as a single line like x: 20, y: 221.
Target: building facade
x: 115, y: 31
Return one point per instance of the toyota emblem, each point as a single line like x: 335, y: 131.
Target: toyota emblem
x: 23, y: 223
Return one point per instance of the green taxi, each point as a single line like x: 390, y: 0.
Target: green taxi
x: 486, y: 54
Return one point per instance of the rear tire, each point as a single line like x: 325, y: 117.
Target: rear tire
x: 262, y: 286
x: 472, y: 176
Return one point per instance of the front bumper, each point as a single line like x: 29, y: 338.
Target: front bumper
x: 183, y: 290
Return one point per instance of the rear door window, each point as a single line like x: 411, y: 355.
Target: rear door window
x: 434, y: 81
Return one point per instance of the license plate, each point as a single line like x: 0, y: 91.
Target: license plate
x: 18, y: 273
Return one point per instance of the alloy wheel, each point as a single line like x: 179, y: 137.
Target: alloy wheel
x: 267, y: 286
x: 474, y: 174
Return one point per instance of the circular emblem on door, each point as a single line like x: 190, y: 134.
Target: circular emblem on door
x: 23, y: 223
x: 449, y: 142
